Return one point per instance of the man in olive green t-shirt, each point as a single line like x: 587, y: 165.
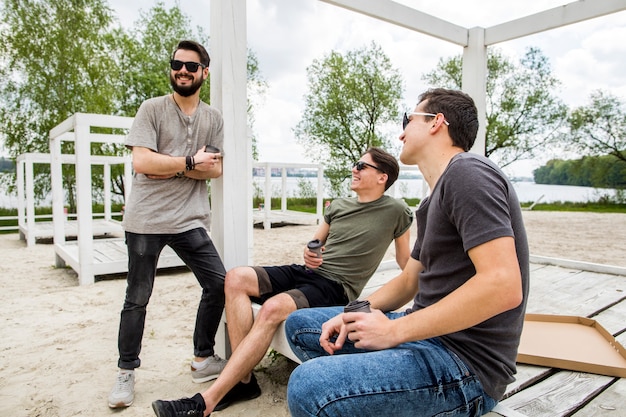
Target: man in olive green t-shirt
x: 355, y: 234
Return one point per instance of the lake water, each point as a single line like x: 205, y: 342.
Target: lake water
x: 526, y: 191
x: 413, y: 188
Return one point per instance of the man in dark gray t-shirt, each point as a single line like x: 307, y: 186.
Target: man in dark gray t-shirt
x: 453, y: 352
x: 169, y: 205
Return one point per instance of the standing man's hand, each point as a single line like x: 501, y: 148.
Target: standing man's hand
x: 207, y: 161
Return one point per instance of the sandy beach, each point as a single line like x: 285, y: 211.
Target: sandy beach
x: 59, y: 340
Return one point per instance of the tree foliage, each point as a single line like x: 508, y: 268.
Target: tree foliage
x: 56, y: 60
x: 589, y: 171
x: 524, y: 114
x: 599, y: 128
x: 62, y: 57
x: 351, y: 97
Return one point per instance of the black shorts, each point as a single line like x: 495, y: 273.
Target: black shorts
x: 307, y: 288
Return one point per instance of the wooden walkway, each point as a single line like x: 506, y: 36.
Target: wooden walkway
x: 269, y: 218
x: 541, y: 391
x: 551, y: 392
x: 44, y: 230
x: 110, y: 256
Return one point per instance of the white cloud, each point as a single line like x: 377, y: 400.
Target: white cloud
x: 287, y: 35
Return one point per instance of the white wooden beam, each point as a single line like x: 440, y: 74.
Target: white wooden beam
x: 231, y: 195
x: 474, y: 82
x: 407, y: 17
x: 551, y: 19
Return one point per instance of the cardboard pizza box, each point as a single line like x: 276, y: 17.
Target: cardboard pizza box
x: 571, y: 342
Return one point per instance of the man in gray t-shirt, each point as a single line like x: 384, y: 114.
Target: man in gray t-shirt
x: 168, y: 205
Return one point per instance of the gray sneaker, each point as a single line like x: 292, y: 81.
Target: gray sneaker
x: 209, y: 372
x: 123, y: 392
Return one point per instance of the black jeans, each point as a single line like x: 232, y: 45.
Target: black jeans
x: 196, y: 249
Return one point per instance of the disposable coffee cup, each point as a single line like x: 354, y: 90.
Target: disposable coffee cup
x: 315, y: 246
x: 213, y: 149
x: 357, y: 306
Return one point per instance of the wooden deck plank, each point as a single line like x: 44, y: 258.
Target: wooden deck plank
x: 612, y: 319
x: 566, y: 292
x: 110, y: 256
x: 44, y: 230
x: 558, y: 395
x: 284, y: 217
x: 611, y: 403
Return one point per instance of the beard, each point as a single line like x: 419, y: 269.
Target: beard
x: 187, y: 90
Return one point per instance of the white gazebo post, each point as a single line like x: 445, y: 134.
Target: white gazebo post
x: 231, y: 195
x: 474, y: 81
x: 84, y: 212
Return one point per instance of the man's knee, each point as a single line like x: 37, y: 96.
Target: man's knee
x: 276, y: 309
x: 241, y: 279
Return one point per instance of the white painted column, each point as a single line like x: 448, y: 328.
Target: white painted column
x: 84, y: 212
x: 231, y: 195
x: 20, y: 167
x: 475, y: 81
x: 56, y: 173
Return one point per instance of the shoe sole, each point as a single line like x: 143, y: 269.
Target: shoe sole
x: 120, y: 405
x: 204, y: 378
x: 157, y: 410
x: 222, y: 406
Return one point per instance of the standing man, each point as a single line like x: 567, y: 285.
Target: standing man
x: 356, y: 233
x: 169, y: 205
x: 454, y: 351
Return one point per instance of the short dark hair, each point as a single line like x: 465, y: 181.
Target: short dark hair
x: 387, y: 163
x: 196, y: 47
x: 459, y: 110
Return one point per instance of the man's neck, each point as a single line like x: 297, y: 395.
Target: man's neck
x: 188, y: 105
x: 368, y: 196
x: 433, y: 166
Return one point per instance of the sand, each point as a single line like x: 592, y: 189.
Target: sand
x: 58, y: 347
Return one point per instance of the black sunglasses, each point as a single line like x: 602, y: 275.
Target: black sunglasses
x: 191, y: 66
x: 360, y: 165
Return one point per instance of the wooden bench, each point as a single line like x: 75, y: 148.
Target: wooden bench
x: 540, y: 391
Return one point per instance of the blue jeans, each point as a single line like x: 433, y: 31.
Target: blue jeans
x: 413, y: 379
x: 197, y: 251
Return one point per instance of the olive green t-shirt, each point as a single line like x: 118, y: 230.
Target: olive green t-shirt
x: 360, y: 234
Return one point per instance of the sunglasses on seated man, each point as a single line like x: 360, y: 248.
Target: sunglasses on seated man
x: 191, y: 66
x: 360, y: 166
x: 406, y: 120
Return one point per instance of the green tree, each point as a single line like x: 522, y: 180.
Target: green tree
x: 599, y: 128
x: 351, y: 97
x: 56, y: 60
x: 67, y: 56
x: 524, y: 114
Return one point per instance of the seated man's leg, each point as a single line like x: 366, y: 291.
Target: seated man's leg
x: 303, y: 329
x: 416, y: 379
x: 240, y: 285
x: 248, y: 354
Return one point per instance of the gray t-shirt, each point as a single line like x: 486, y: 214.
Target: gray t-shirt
x: 471, y: 204
x: 359, y: 236
x: 173, y: 205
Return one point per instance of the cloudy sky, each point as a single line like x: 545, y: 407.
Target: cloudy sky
x: 287, y: 35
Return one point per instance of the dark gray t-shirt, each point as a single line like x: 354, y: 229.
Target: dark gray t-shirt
x: 173, y: 205
x: 471, y: 204
x: 359, y: 236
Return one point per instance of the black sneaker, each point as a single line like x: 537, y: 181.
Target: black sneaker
x: 240, y: 392
x: 184, y: 407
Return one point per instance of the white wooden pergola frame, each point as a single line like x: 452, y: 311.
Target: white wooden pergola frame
x: 232, y: 218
